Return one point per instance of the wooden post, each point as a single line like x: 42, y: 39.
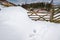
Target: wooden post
x: 51, y: 16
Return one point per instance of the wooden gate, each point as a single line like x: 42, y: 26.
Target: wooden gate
x: 43, y: 15
x: 56, y: 16
x: 39, y: 16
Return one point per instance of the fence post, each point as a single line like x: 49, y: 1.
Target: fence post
x: 51, y: 15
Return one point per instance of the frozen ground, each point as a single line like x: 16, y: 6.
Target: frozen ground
x: 16, y: 25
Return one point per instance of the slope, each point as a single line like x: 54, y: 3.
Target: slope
x: 16, y: 25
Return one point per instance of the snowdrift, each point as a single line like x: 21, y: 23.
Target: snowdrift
x: 16, y: 25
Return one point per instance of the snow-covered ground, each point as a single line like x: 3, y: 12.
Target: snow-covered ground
x: 16, y: 25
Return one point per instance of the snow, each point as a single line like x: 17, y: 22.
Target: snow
x: 1, y: 7
x: 16, y: 25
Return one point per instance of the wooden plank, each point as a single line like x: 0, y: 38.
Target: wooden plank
x: 57, y: 16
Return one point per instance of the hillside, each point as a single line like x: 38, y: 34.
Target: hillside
x: 16, y: 25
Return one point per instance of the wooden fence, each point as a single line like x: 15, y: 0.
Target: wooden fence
x: 44, y: 16
x: 56, y: 16
x: 39, y: 16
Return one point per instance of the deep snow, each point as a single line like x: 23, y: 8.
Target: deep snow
x: 16, y: 25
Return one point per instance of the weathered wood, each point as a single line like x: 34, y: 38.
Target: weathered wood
x: 47, y: 16
x: 38, y: 16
